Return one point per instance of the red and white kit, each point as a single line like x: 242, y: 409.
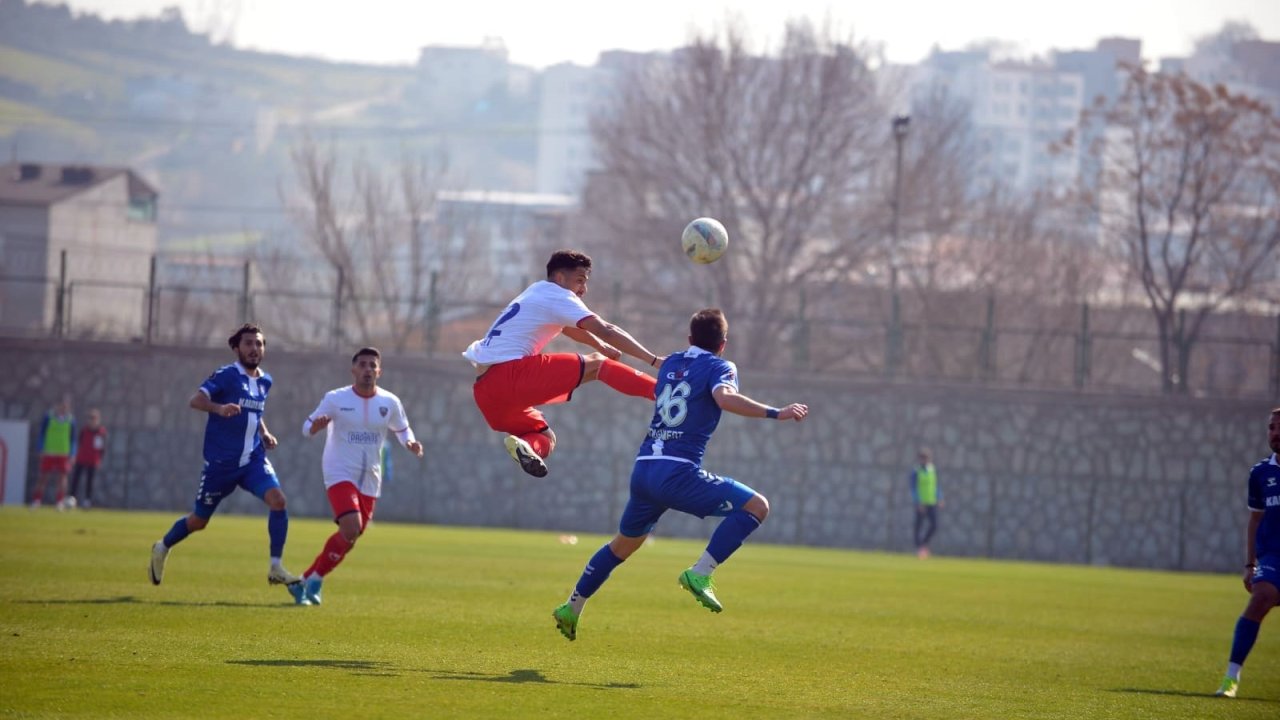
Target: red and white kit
x: 358, y: 428
x: 518, y: 377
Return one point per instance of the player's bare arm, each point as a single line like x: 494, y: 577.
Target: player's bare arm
x: 621, y: 339
x: 582, y: 336
x: 731, y: 400
x: 200, y: 401
x: 268, y: 440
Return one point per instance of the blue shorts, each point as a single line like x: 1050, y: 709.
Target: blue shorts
x: 661, y: 485
x: 1268, y: 570
x: 218, y: 481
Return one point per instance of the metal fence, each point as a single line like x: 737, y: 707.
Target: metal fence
x: 1083, y: 348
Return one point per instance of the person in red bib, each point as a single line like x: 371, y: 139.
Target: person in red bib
x: 514, y: 376
x: 90, y: 447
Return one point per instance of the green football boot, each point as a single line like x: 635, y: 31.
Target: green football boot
x: 566, y: 621
x: 1228, y: 688
x: 704, y: 591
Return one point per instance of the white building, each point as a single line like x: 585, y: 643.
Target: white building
x: 570, y: 96
x: 1018, y: 111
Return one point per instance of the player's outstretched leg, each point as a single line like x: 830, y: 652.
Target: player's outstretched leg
x: 522, y: 452
x: 626, y: 380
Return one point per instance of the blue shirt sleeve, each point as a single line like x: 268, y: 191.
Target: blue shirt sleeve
x: 214, y: 385
x: 44, y: 430
x: 911, y: 483
x: 1256, y: 499
x: 725, y: 373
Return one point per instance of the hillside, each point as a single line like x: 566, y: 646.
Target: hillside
x: 211, y: 125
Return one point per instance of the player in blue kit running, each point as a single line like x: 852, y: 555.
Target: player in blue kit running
x: 694, y: 387
x: 1262, y: 557
x: 235, y: 443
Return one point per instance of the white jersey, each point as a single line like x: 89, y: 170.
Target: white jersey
x: 531, y: 321
x: 357, y: 429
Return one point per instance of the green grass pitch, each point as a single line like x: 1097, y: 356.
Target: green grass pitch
x: 424, y: 621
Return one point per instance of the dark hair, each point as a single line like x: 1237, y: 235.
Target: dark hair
x: 245, y: 329
x: 369, y: 351
x: 567, y: 260
x: 708, y: 329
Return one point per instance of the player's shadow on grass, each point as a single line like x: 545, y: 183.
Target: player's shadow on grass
x: 357, y: 667
x: 1184, y: 693
x: 522, y: 677
x: 135, y: 600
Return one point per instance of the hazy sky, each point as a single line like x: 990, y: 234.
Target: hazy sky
x: 545, y: 32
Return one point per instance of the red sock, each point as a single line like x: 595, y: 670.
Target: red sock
x: 334, y: 550
x: 540, y: 443
x: 627, y: 381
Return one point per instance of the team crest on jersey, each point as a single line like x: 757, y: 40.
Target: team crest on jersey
x: 382, y: 411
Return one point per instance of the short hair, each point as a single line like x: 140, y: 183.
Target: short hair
x: 568, y: 260
x: 245, y: 329
x: 366, y: 351
x: 708, y: 329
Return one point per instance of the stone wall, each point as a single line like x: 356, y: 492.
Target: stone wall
x: 1063, y: 477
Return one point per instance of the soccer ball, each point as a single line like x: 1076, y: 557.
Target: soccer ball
x: 704, y: 240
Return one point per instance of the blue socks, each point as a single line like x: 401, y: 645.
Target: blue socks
x: 1242, y: 643
x: 177, y: 533
x: 730, y: 534
x: 278, y: 529
x: 597, y: 571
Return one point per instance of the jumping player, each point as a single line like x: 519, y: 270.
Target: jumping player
x: 357, y: 418
x: 235, y: 443
x: 1262, y: 557
x: 513, y: 377
x: 696, y: 386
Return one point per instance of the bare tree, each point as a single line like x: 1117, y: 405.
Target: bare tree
x: 775, y: 146
x: 971, y: 247
x: 378, y: 232
x: 1190, y: 200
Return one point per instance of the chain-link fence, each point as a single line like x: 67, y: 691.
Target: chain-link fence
x: 955, y: 337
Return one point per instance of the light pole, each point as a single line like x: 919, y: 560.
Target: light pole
x: 900, y: 125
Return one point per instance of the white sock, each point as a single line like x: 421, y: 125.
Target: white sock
x: 705, y: 565
x: 577, y: 602
x: 1233, y: 671
x: 275, y: 563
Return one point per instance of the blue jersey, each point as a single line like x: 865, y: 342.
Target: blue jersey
x: 234, y: 441
x: 1264, y: 497
x: 686, y: 413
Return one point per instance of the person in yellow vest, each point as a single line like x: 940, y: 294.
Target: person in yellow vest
x: 927, y: 497
x: 57, y: 440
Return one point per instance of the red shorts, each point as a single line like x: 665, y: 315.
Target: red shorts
x: 508, y: 392
x: 346, y: 498
x: 60, y: 464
